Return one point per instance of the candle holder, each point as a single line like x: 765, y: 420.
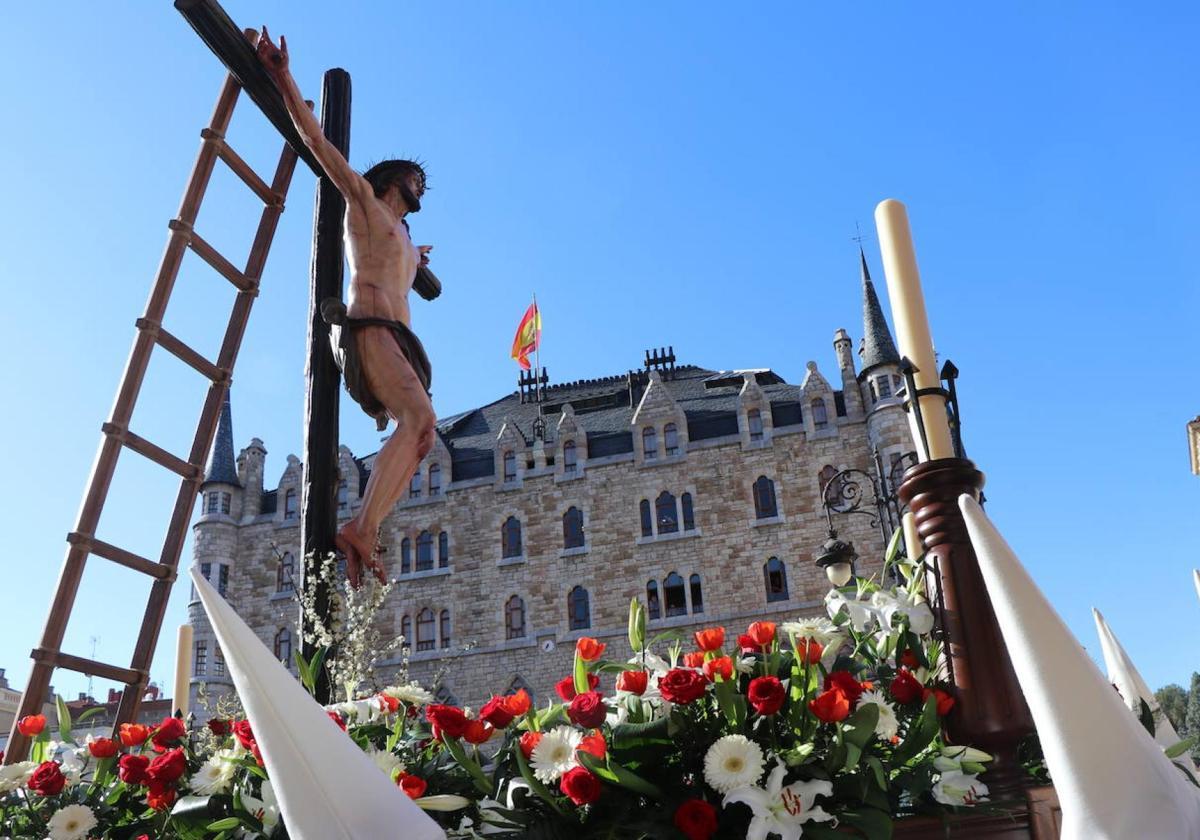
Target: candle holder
x: 948, y: 374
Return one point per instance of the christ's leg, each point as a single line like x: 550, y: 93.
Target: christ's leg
x: 394, y: 383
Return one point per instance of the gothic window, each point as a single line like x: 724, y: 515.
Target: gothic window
x: 775, y: 578
x: 697, y: 594
x: 689, y: 517
x: 405, y: 556
x: 343, y: 496
x: 424, y: 551
x: 764, y: 498
x: 573, y: 528
x: 283, y: 646
x: 435, y: 480
x: 284, y: 580
x: 649, y: 443
x: 222, y: 579
x: 443, y: 550
x: 414, y: 486
x: 201, y: 659
x: 647, y: 518
x: 445, y: 628
x: 570, y: 458
x: 406, y: 630
x: 653, y: 608
x: 510, y: 538
x: 425, y: 629
x: 226, y: 503
x: 514, y: 618
x: 579, y: 614
x: 675, y: 596
x: 671, y: 439
x: 218, y: 661
x: 754, y: 423
x: 664, y: 509
x: 289, y: 504
x: 510, y: 466
x: 519, y: 684
x: 820, y: 416
x: 885, y: 387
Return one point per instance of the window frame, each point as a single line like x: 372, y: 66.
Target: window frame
x: 671, y: 440
x: 775, y: 594
x: 764, y: 493
x: 507, y: 544
x: 423, y: 643
x: 649, y: 443
x: 575, y: 598
x: 668, y: 587
x: 574, y: 533
x: 515, y: 605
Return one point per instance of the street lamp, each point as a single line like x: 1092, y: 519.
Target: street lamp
x: 837, y: 558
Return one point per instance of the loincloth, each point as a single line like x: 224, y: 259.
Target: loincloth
x: 345, y: 353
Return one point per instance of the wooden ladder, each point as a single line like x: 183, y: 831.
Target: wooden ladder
x: 82, y: 541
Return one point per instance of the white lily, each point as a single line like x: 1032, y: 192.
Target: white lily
x: 819, y: 629
x: 862, y: 615
x: 266, y: 808
x: 957, y: 788
x: 913, y: 607
x: 782, y: 810
x: 443, y: 802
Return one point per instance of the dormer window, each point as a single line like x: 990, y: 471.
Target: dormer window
x: 510, y: 467
x: 671, y: 439
x: 289, y: 504
x: 755, y: 424
x: 649, y: 443
x: 435, y: 480
x: 569, y: 457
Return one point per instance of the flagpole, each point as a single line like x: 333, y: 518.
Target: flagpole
x: 537, y: 352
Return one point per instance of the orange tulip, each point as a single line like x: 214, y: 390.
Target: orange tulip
x: 721, y: 666
x: 762, y: 632
x: 134, y: 734
x: 31, y: 725
x: 710, y: 639
x: 594, y: 744
x: 518, y: 704
x: 478, y: 732
x: 589, y: 649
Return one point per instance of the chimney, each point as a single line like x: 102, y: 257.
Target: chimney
x: 151, y: 692
x: 114, y: 696
x: 3, y: 679
x: 83, y: 696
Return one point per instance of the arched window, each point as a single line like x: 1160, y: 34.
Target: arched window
x: 435, y: 480
x: 283, y: 646
x: 664, y: 509
x: 405, y: 556
x: 445, y: 628
x: 443, y: 550
x: 510, y: 466
x: 425, y: 629
x: 649, y: 443
x: 831, y: 492
x: 514, y: 618
x: 775, y: 578
x: 518, y: 684
x: 343, y: 495
x: 820, y: 416
x: 570, y: 459
x: 647, y: 518
x: 754, y: 424
x: 284, y: 582
x: 510, y: 537
x: 764, y: 498
x: 424, y: 551
x: 414, y: 486
x: 573, y: 528
x: 689, y: 517
x: 406, y: 630
x: 579, y: 613
x: 697, y: 594
x: 653, y: 608
x: 674, y: 595
x: 289, y: 504
x: 671, y: 439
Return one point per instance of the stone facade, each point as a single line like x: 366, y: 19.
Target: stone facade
x: 655, y: 485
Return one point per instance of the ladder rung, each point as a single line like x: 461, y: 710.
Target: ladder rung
x: 209, y: 254
x: 242, y: 169
x: 157, y: 454
x: 120, y: 556
x: 182, y: 352
x: 88, y: 666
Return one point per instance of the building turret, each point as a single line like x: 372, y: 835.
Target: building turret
x: 879, y: 380
x: 850, y: 391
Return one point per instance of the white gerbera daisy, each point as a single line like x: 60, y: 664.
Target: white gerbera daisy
x: 72, y: 823
x: 733, y: 762
x: 888, y: 724
x: 214, y: 776
x: 555, y: 753
x: 410, y: 693
x: 817, y: 628
x: 15, y: 775
x: 388, y: 762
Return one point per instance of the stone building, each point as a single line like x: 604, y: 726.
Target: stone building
x: 697, y: 491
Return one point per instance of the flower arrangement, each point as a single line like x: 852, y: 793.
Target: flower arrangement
x: 819, y: 727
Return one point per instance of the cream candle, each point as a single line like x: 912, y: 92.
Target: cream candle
x: 183, y: 670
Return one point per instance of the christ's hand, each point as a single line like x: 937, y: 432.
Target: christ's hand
x: 275, y: 59
x: 424, y: 249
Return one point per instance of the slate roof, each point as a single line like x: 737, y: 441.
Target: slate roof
x: 877, y: 347
x: 222, y: 466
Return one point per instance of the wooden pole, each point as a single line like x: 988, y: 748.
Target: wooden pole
x: 318, y: 509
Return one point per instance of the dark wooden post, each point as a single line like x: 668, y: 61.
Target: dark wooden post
x: 318, y: 510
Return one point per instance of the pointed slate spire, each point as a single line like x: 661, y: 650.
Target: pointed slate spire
x: 222, y: 466
x: 877, y: 345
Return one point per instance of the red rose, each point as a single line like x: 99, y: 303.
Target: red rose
x: 447, y: 720
x: 160, y: 796
x: 809, y: 650
x: 588, y: 710
x: 697, y: 819
x: 31, y: 725
x: 766, y: 695
x: 589, y: 649
x: 132, y: 769
x: 134, y: 734
x: 520, y: 703
x: 710, y: 639
x: 528, y: 741
x: 168, y: 767
x: 634, y: 682
x: 477, y: 732
x: 762, y: 632
x: 909, y: 659
x: 171, y: 729
x: 47, y: 779
x: 830, y: 706
x: 944, y: 701
x: 142, y: 837
x: 580, y: 786
x: 414, y: 786
x: 593, y: 744
x: 845, y: 681
x: 243, y: 733
x: 694, y: 659
x: 495, y: 712
x: 218, y: 727
x: 566, y: 686
x: 905, y: 688
x: 336, y: 718
x: 387, y: 704
x: 680, y: 685
x: 103, y: 748
x: 721, y: 667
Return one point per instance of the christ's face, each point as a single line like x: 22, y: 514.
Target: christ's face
x: 415, y: 184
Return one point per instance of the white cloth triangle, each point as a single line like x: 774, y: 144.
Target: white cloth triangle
x: 1196, y: 580
x: 1112, y: 780
x: 1123, y: 674
x: 328, y: 788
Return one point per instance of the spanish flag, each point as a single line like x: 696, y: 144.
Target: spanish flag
x: 529, y: 335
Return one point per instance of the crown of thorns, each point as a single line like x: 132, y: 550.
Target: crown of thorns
x: 390, y: 170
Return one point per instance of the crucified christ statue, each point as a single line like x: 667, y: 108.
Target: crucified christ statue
x: 384, y: 365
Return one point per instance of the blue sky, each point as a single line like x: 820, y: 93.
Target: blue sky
x: 685, y: 174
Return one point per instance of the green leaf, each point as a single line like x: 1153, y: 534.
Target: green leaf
x: 64, y: 718
x: 581, y: 674
x: 857, y: 730
x: 921, y: 733
x: 732, y: 704
x: 624, y: 777
x: 627, y: 736
x: 1180, y: 748
x: 469, y: 764
x: 878, y: 772
x: 637, y: 625
x: 90, y: 713
x: 224, y: 825
x: 893, y: 549
x: 875, y: 824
